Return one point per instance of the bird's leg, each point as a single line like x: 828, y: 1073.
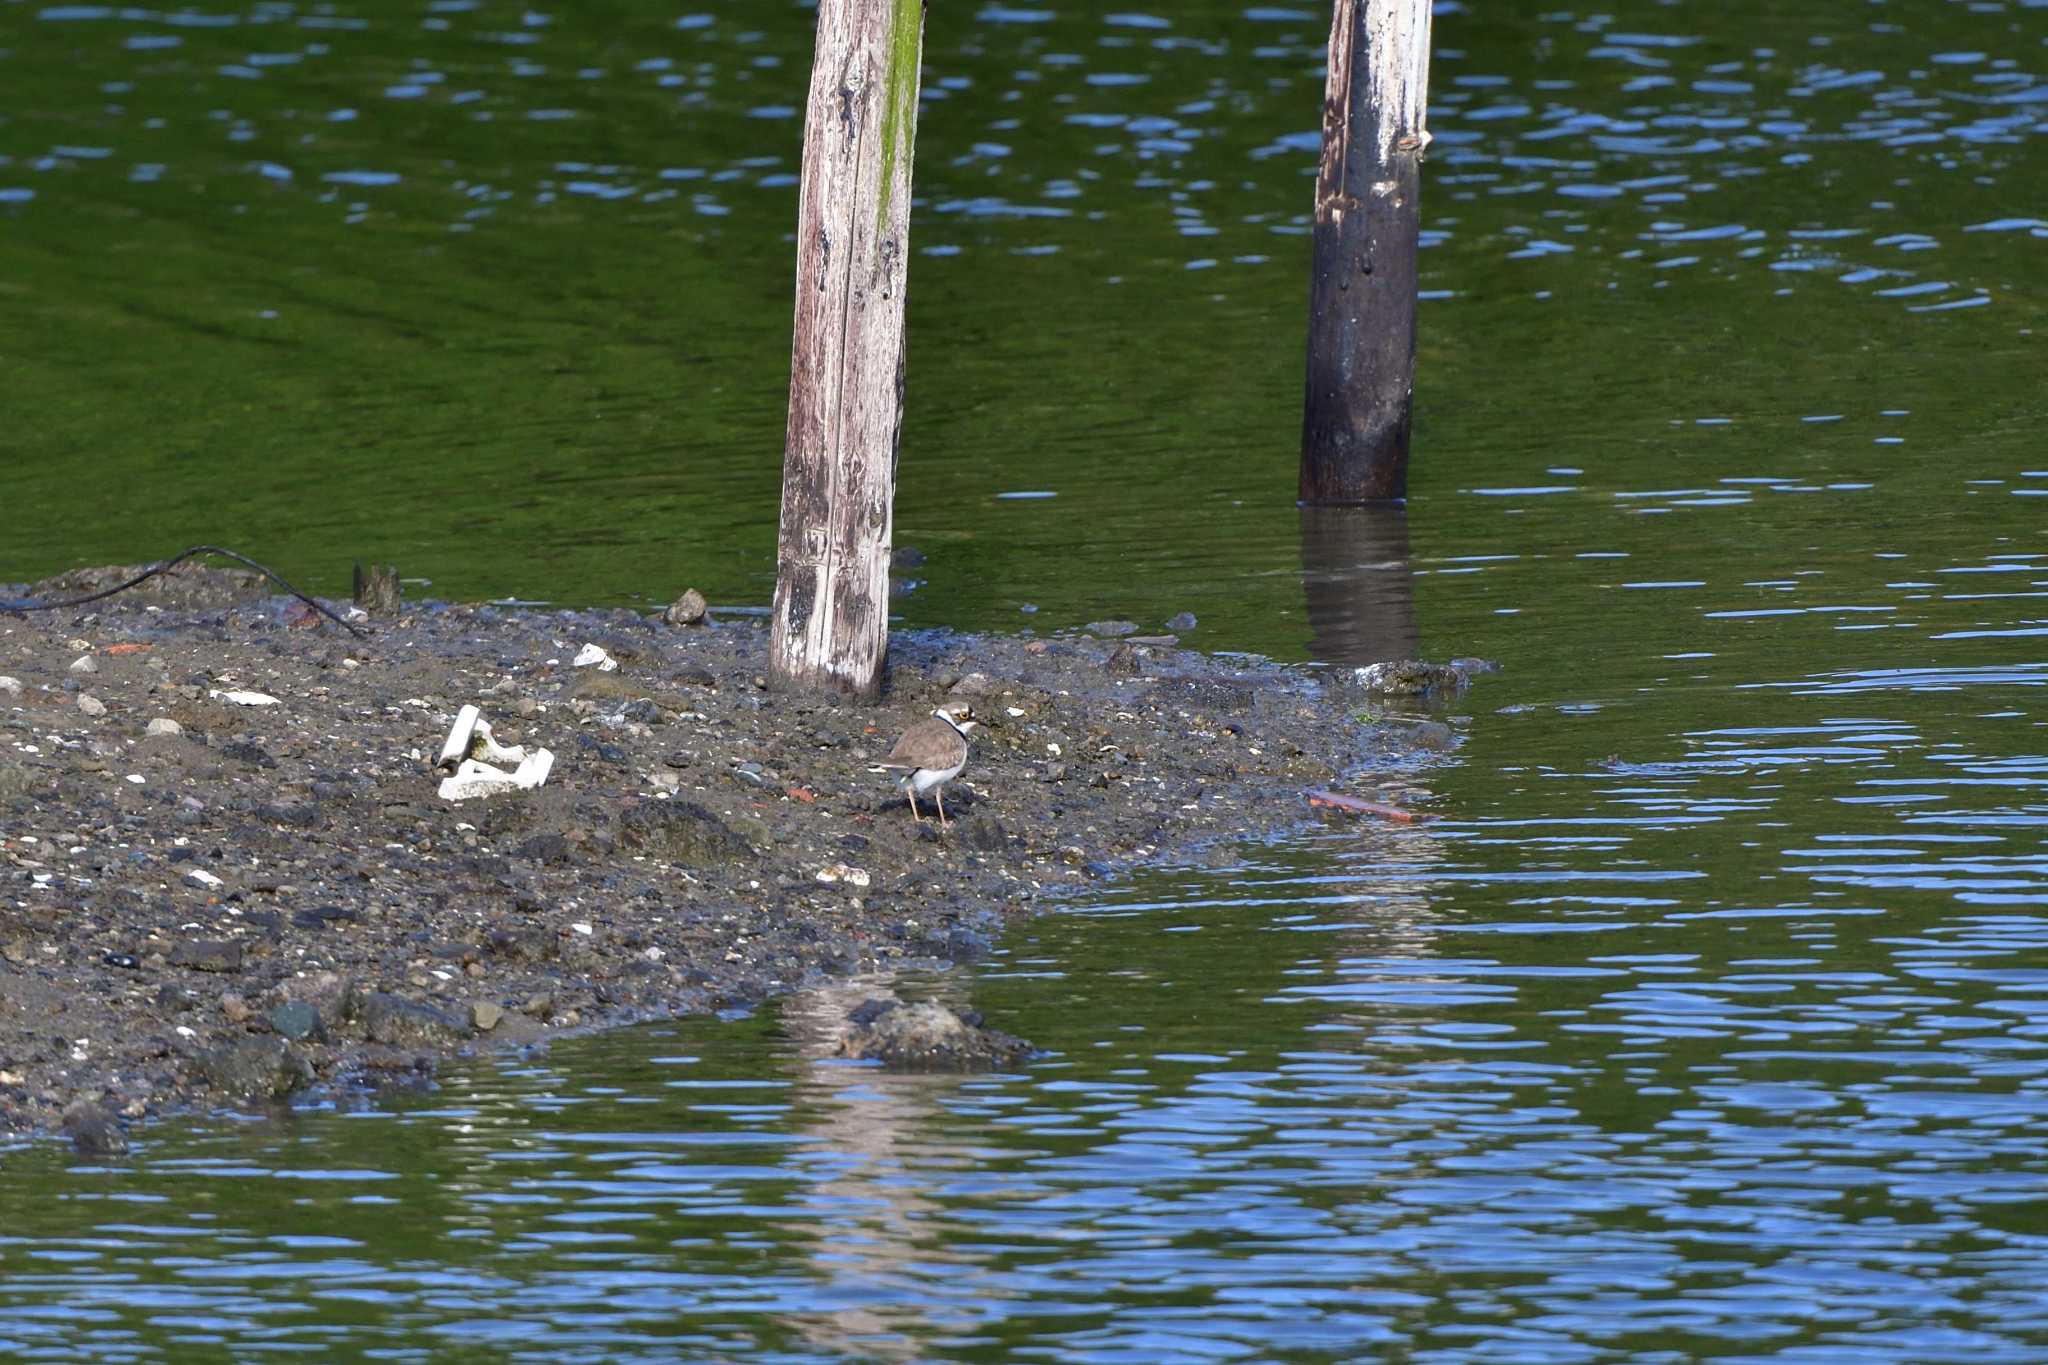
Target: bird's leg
x: 911, y: 792
x: 939, y: 794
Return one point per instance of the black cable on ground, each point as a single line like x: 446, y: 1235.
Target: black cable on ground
x: 23, y: 604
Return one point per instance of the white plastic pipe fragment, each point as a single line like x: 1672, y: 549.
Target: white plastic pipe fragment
x: 468, y: 753
x: 472, y: 779
x: 470, y: 737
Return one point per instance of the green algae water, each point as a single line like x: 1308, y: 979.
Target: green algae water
x: 1706, y: 1023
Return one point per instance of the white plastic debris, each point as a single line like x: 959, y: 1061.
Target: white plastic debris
x: 244, y: 698
x: 473, y: 779
x: 595, y: 656
x: 470, y: 737
x: 468, y: 753
x: 199, y: 876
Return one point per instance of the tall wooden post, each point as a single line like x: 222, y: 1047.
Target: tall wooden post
x: 1368, y: 219
x: 831, y: 614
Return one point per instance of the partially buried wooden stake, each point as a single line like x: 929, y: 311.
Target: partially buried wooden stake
x: 831, y: 616
x: 1368, y: 219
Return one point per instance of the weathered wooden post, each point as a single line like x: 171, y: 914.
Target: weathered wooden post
x: 1368, y: 219
x: 831, y: 614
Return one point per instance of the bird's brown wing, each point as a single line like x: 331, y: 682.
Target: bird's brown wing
x: 931, y: 743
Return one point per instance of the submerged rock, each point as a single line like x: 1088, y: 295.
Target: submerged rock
x: 1415, y: 678
x: 927, y: 1037
x: 93, y: 1131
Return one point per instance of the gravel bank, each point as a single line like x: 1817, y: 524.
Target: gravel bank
x: 253, y: 899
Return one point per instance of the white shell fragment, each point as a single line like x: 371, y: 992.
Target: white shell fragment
x: 244, y: 698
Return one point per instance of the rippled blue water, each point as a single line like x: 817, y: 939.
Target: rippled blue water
x: 1707, y: 1021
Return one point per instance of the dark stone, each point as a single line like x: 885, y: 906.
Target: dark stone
x: 681, y: 832
x: 298, y: 1021
x: 299, y: 815
x: 93, y: 1131
x: 984, y: 833
x: 247, y: 751
x: 208, y: 955
x: 398, y: 1022
x: 906, y: 557
x: 253, y: 1067
x: 127, y: 962
x: 321, y: 916
x: 550, y: 848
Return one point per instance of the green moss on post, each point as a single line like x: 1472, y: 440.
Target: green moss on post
x: 899, y: 108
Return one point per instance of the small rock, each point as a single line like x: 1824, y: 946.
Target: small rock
x: 91, y: 705
x: 253, y: 1067
x: 485, y: 1016
x: 973, y: 685
x: 163, y: 725
x: 235, y: 1009
x: 203, y: 879
x: 9, y: 686
x: 1112, y: 629
x: 548, y: 848
x: 248, y: 751
x: 906, y: 557
x: 208, y: 955
x: 1412, y: 678
x: 298, y: 1021
x: 85, y: 663
x: 1184, y: 621
x: 92, y: 1131
x: 398, y: 1022
x: 927, y: 1037
x: 688, y: 610
x: 1123, y: 662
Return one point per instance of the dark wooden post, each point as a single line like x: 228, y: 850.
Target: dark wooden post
x: 831, y: 615
x: 1368, y: 218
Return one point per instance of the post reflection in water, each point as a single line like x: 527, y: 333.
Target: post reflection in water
x: 1355, y: 573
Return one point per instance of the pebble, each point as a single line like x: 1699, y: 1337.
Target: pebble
x: 485, y: 1016
x: 297, y: 1021
x: 9, y: 686
x: 1184, y: 621
x: 1112, y: 629
x: 688, y: 610
x: 209, y: 955
x: 85, y: 663
x: 163, y: 725
x: 91, y: 705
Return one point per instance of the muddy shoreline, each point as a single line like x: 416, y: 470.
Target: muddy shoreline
x: 255, y: 901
